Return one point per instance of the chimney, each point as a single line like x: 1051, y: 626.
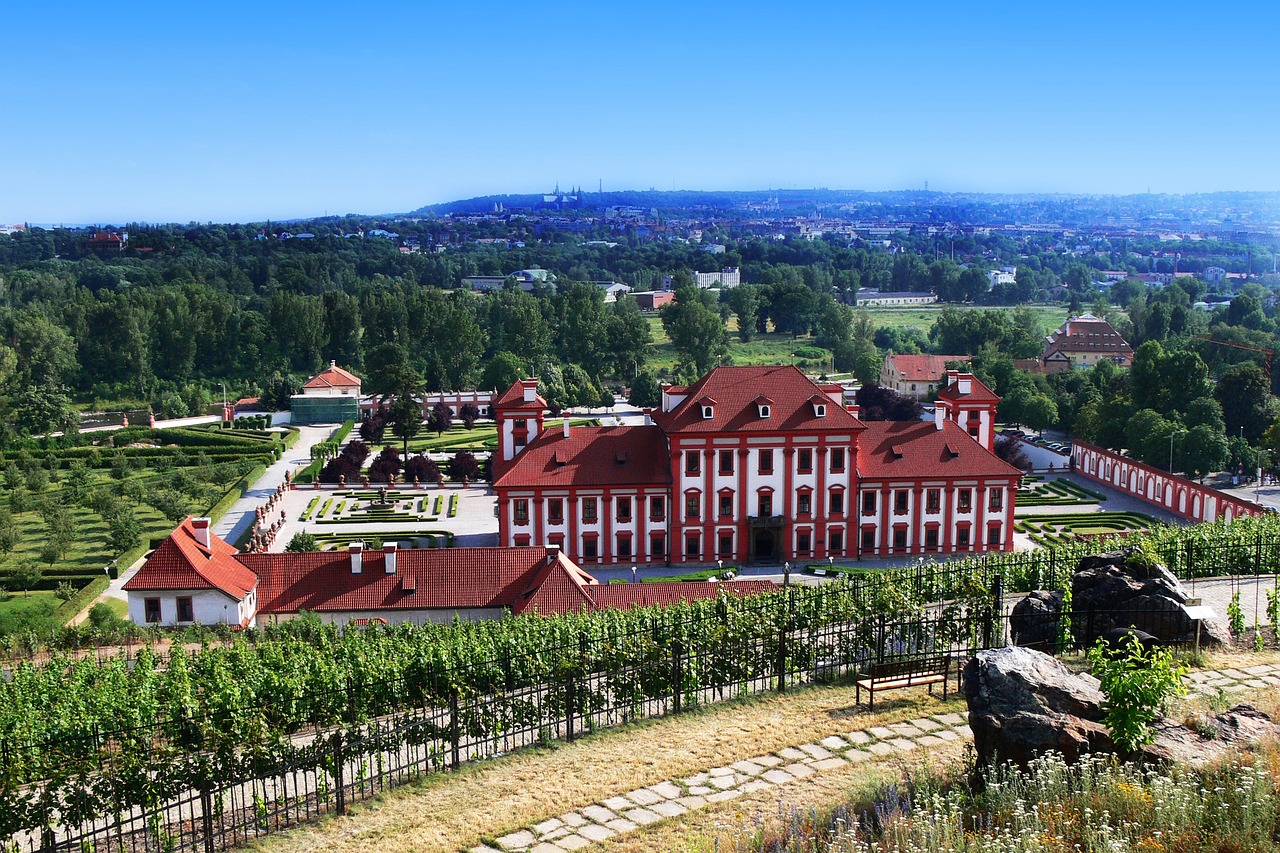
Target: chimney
x: 939, y: 415
x: 389, y: 558
x: 648, y: 417
x: 200, y: 526
x: 566, y: 424
x: 332, y: 364
x: 356, y: 549
x: 530, y: 390
x: 964, y: 385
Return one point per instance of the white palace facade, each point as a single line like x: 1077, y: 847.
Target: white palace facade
x: 755, y: 464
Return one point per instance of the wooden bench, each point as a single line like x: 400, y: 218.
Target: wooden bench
x: 895, y: 674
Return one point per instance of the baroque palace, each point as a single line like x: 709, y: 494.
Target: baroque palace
x: 755, y: 464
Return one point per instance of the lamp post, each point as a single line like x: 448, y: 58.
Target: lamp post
x: 786, y: 574
x: 633, y: 574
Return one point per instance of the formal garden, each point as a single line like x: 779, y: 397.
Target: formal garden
x: 74, y: 510
x: 1036, y: 491
x: 1056, y: 528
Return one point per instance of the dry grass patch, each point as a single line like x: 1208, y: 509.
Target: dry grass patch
x: 490, y: 799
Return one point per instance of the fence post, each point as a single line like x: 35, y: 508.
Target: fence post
x: 206, y: 815
x: 781, y: 664
x: 677, y: 677
x: 339, y: 785
x: 1190, y: 565
x: 568, y: 707
x: 454, y: 728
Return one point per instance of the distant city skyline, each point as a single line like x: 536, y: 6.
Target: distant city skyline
x: 244, y: 112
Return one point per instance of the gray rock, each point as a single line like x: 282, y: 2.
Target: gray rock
x: 1211, y: 739
x: 1024, y: 703
x: 1034, y: 620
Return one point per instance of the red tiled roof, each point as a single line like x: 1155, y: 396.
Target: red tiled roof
x: 513, y: 397
x: 978, y: 392
x: 561, y: 587
x: 923, y: 368
x: 627, y: 595
x: 445, y: 578
x: 333, y: 377
x: 591, y: 456
x: 1086, y: 333
x: 918, y: 449
x: 181, y: 562
x: 735, y: 390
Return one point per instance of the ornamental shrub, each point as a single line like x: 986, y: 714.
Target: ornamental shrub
x: 1137, y: 684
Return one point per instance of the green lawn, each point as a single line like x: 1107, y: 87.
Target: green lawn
x: 1051, y: 316
x: 31, y: 611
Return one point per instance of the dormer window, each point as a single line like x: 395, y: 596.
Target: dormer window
x: 819, y: 410
x: 764, y: 410
x: 708, y: 413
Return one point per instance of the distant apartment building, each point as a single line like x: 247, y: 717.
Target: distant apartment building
x: 916, y: 376
x: 1083, y: 342
x: 653, y: 300
x: 901, y: 298
x: 1004, y: 275
x: 727, y: 277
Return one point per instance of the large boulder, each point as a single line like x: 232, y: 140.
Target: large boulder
x: 1125, y: 588
x: 1024, y: 703
x: 1034, y: 620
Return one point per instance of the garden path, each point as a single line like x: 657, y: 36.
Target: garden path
x: 630, y: 811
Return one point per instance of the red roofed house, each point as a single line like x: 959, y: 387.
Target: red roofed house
x: 196, y: 577
x: 331, y: 396
x: 916, y: 376
x: 1083, y: 342
x: 757, y: 464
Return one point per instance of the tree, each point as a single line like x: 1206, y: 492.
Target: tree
x: 469, y: 413
x: 646, y: 392
x: 9, y: 531
x: 1147, y: 437
x: 24, y: 577
x: 696, y: 332
x: 123, y: 530
x: 502, y: 371
x: 441, y: 419
x: 877, y: 403
x: 463, y: 465
x: 170, y: 503
x: 406, y: 418
x: 303, y: 542
x: 1244, y: 394
x: 1010, y: 450
x: 1040, y: 412
x: 1203, y: 451
x: 44, y: 408
x: 745, y: 300
x: 420, y: 469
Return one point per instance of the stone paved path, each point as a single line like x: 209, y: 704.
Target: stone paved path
x: 635, y: 809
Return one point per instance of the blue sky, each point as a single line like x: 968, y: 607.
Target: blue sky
x: 234, y: 111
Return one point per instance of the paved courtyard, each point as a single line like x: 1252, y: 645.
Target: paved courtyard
x: 473, y: 525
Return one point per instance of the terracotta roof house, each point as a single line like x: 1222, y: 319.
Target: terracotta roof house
x: 1083, y: 342
x: 756, y: 464
x: 196, y: 577
x: 916, y: 376
x: 331, y: 396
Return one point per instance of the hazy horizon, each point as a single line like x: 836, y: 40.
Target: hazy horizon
x: 245, y: 113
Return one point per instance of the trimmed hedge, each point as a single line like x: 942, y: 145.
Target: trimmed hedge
x: 69, y: 608
x: 238, y: 489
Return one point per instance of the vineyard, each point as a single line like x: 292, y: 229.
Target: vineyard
x: 114, y: 750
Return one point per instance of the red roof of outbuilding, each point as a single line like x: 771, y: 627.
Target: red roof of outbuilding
x: 513, y: 397
x: 444, y: 578
x: 591, y: 456
x: 918, y: 449
x: 924, y: 368
x: 333, y: 377
x: 735, y: 389
x: 181, y: 562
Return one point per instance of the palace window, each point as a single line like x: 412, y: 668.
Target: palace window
x: 658, y: 545
x: 692, y: 505
x: 900, y: 499
x: 590, y: 548
x: 900, y: 539
x: 766, y: 504
x: 868, y: 503
x: 931, y: 538
x: 804, y: 543
x: 624, y: 508
x: 837, y: 503
x: 933, y: 500
x: 726, y: 461
x: 869, y: 540
x: 835, y: 542
x: 657, y: 508
x: 692, y: 546
x: 962, y: 537
x: 996, y: 500
x: 522, y: 511
x: 726, y: 505
x: 766, y: 461
x: 692, y: 461
x: 624, y: 546
x: 964, y: 500
x: 993, y: 534
x: 726, y: 545
x: 803, y: 503
x: 555, y: 511
x: 589, y: 509
x: 805, y: 463
x: 837, y: 459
